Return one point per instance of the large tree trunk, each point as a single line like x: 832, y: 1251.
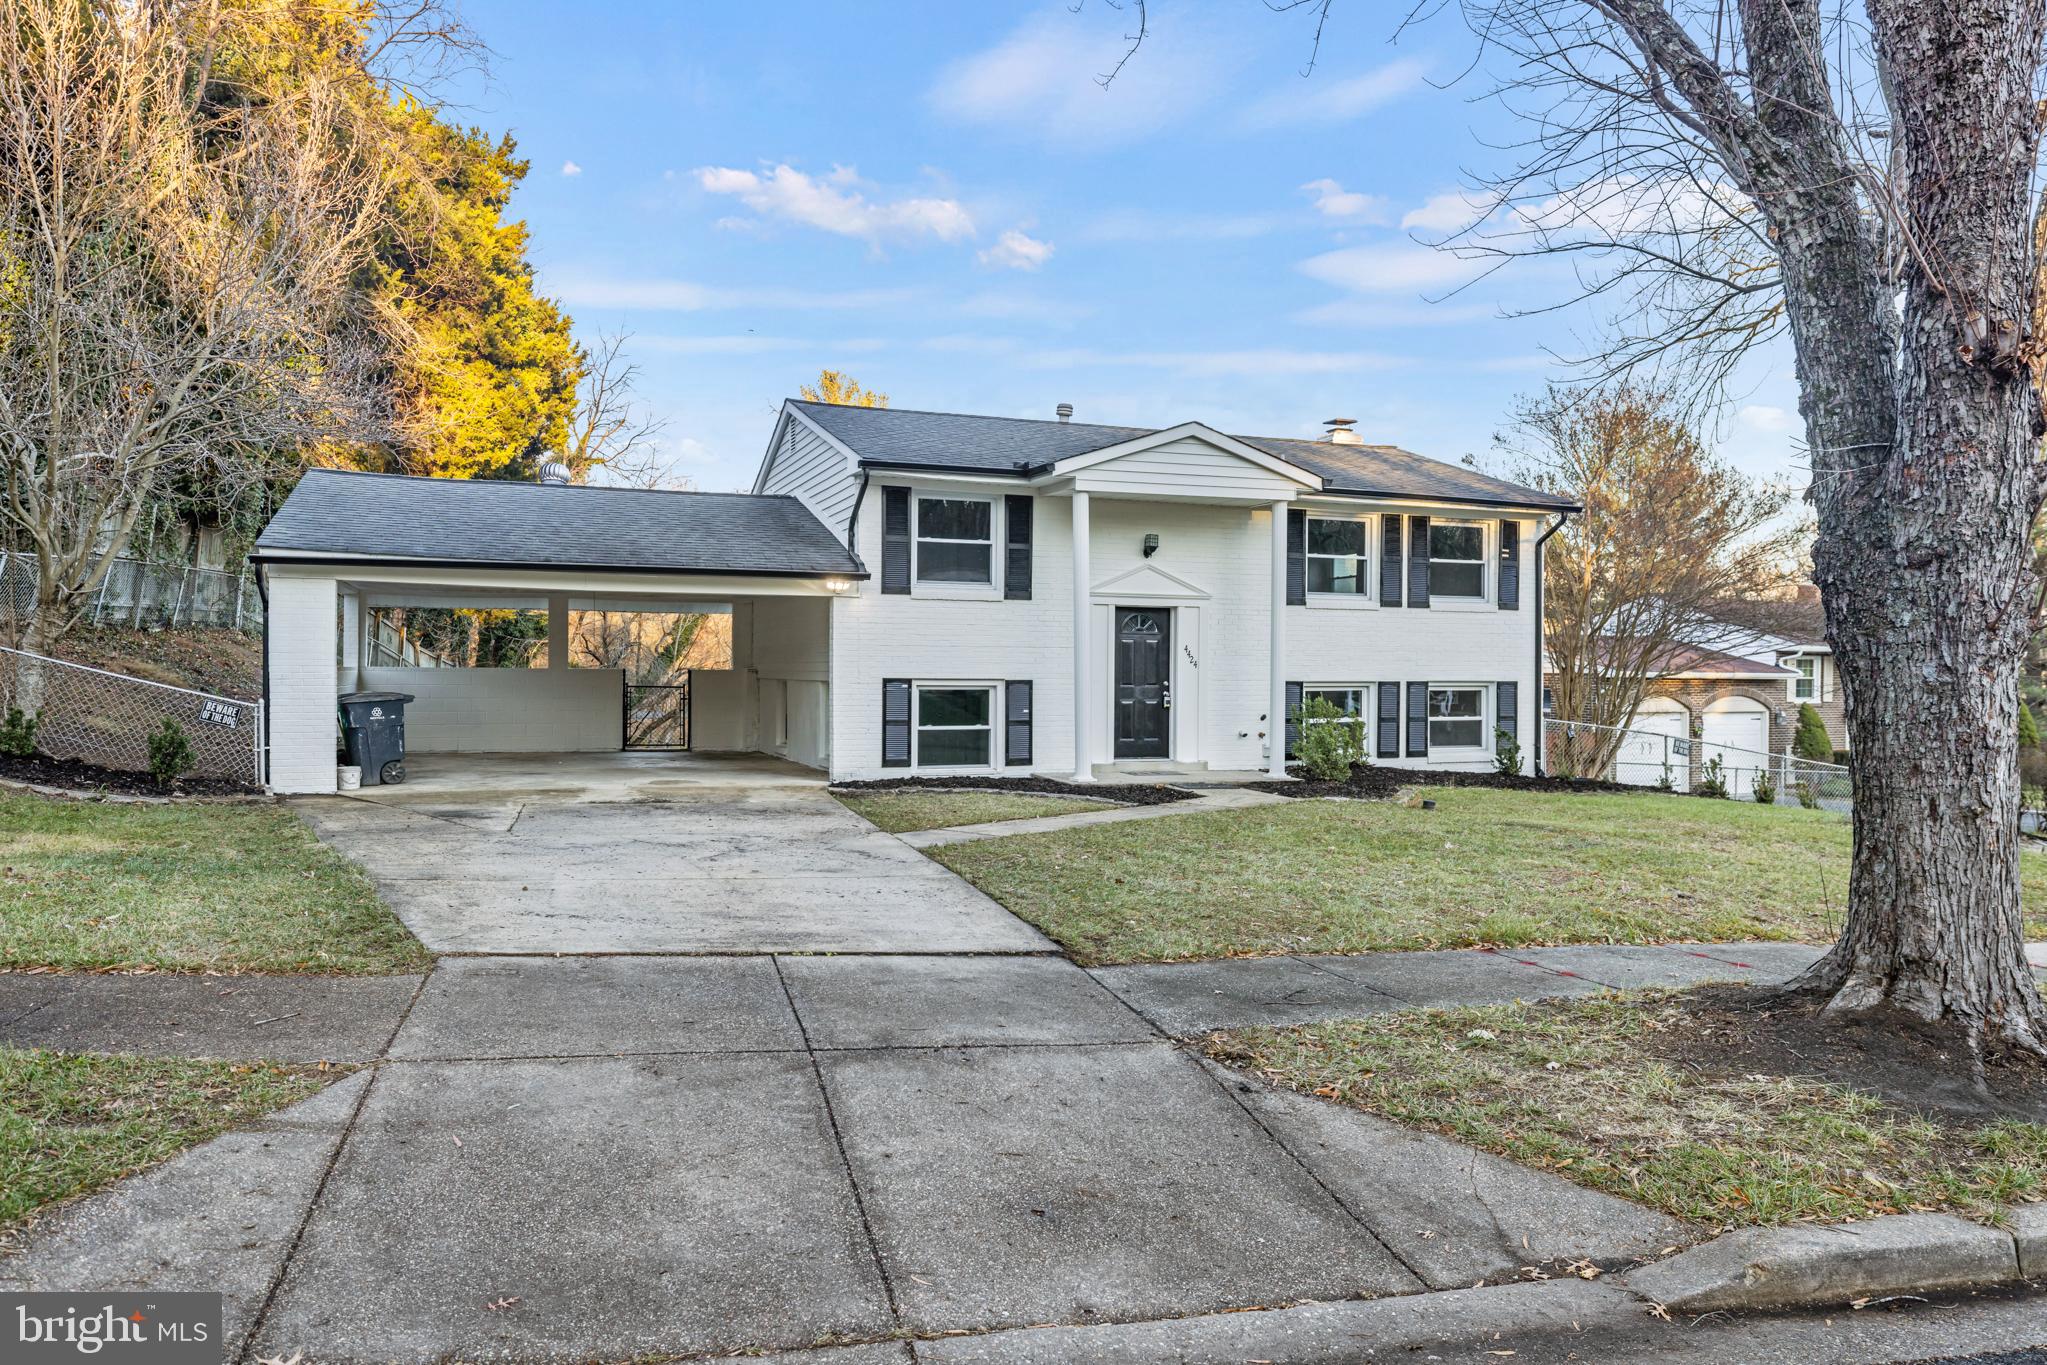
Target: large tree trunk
x: 1925, y: 483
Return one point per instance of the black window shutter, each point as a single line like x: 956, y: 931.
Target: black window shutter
x: 1016, y: 571
x: 895, y: 722
x: 1389, y: 719
x: 895, y: 542
x: 1507, y: 709
x: 1389, y: 561
x: 1417, y: 720
x: 1510, y: 566
x: 1296, y: 558
x: 1016, y: 702
x: 1293, y: 727
x: 1417, y: 561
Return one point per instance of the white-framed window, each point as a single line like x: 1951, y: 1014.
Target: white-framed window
x: 1549, y: 701
x: 1806, y: 686
x: 1457, y: 716
x: 1457, y: 560
x: 1340, y: 557
x: 955, y: 539
x: 1354, y: 700
x: 954, y: 725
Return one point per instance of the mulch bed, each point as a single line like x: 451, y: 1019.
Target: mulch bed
x: 1904, y: 1061
x: 88, y: 778
x: 1127, y: 794
x: 1375, y: 782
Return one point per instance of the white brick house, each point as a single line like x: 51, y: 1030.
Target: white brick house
x: 1008, y: 596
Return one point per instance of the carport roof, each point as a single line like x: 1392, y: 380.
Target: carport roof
x: 346, y: 515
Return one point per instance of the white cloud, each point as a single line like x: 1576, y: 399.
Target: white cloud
x: 570, y: 168
x: 1009, y: 306
x: 834, y: 204
x: 1334, y: 201
x: 1017, y: 250
x: 1448, y: 212
x: 1773, y: 420
x: 580, y: 289
x: 1368, y: 313
x: 1389, y: 269
x: 1314, y: 99
x: 1042, y: 81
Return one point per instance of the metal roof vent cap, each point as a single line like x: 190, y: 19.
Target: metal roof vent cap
x: 1065, y: 411
x: 1339, y: 432
x: 554, y: 472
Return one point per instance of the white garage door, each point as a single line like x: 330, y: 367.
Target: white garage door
x: 1740, y: 738
x: 1654, y: 738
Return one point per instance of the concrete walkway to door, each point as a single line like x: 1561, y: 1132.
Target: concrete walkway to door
x: 649, y: 853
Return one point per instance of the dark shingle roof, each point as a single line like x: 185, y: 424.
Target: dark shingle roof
x: 1019, y: 445
x: 481, y: 521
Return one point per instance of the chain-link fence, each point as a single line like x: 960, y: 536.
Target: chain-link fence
x: 107, y: 718
x: 1653, y: 757
x: 137, y: 593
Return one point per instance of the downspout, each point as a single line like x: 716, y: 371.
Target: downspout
x: 263, y: 594
x: 1542, y: 731
x: 853, y: 518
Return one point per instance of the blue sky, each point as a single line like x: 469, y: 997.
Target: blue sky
x: 941, y: 200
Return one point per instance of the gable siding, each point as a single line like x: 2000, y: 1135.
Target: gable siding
x: 1182, y: 466
x: 807, y: 468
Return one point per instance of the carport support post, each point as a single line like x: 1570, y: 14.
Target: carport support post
x: 1275, y: 725
x: 1083, y: 766
x: 557, y: 630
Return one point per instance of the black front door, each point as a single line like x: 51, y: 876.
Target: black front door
x: 1144, y: 682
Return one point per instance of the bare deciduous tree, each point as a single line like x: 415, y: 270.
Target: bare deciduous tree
x: 175, y: 270
x: 608, y: 430
x: 1668, y: 537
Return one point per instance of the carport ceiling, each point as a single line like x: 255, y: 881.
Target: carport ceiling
x: 341, y: 516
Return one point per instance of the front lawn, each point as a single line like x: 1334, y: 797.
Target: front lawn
x: 899, y: 812
x: 1598, y: 1090
x: 1485, y: 867
x: 89, y: 885
x: 73, y: 1122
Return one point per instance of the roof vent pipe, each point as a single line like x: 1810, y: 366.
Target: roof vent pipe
x: 1065, y: 411
x: 1339, y: 432
x: 554, y: 472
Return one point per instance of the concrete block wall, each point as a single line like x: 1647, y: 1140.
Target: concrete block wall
x: 304, y: 662
x: 507, y: 710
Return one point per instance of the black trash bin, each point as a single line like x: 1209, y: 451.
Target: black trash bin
x: 373, y: 730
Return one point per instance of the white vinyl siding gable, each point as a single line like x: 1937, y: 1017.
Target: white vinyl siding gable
x: 816, y: 473
x: 1177, y: 468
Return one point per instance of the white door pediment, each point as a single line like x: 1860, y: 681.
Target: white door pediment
x: 1149, y: 580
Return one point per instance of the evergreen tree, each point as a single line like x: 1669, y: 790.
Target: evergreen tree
x: 1812, y: 741
x: 2029, y: 730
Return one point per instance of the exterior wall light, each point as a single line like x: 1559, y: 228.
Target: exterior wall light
x: 836, y: 585
x: 1151, y: 544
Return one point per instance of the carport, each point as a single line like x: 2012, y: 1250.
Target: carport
x: 345, y: 544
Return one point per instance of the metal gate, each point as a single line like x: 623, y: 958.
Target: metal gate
x: 657, y: 715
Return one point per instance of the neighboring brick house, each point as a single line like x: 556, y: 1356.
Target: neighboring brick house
x: 1735, y: 706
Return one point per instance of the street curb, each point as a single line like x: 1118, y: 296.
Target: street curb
x: 1815, y: 1266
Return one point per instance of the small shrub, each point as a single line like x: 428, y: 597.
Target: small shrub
x: 1713, y: 778
x: 1327, y: 742
x: 18, y: 734
x: 1506, y: 754
x: 2029, y: 729
x: 1808, y: 793
x: 1811, y: 741
x: 170, y: 753
x: 1765, y: 790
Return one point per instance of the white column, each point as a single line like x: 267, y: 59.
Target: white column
x: 1083, y: 638
x: 557, y: 630
x: 353, y: 630
x: 1275, y: 729
x: 304, y: 661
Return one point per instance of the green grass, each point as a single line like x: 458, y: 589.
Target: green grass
x: 899, y: 812
x: 242, y: 887
x: 1572, y: 1089
x: 1486, y: 867
x: 73, y: 1122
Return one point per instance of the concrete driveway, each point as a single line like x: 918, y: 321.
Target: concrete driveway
x: 649, y: 853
